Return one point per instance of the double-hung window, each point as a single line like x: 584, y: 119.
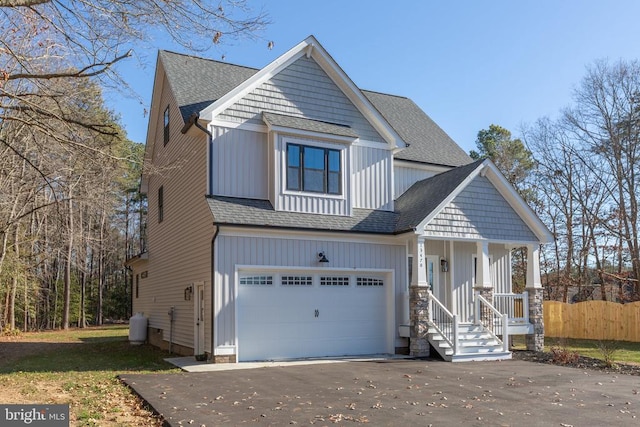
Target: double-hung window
x: 313, y: 169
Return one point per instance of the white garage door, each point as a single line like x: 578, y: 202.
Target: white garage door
x: 282, y: 316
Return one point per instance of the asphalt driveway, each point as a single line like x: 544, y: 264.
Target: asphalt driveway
x: 395, y: 392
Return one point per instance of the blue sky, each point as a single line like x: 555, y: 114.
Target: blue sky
x: 467, y: 64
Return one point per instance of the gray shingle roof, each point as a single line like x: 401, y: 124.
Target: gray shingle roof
x: 197, y: 82
x: 428, y: 143
x: 424, y: 196
x: 238, y: 211
x: 308, y: 125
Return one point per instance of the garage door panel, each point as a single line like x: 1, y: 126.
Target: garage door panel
x: 292, y: 319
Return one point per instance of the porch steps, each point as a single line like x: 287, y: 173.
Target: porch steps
x: 475, y: 344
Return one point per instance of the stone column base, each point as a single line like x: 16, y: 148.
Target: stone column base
x: 418, y: 315
x: 535, y: 341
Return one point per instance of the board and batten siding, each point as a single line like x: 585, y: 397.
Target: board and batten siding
x: 480, y: 212
x: 462, y: 269
x: 372, y: 178
x: 405, y: 177
x: 239, y: 163
x: 179, y: 247
x: 232, y: 251
x: 302, y: 90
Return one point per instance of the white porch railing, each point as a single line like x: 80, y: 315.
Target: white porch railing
x: 494, y: 322
x: 515, y: 306
x: 444, y: 322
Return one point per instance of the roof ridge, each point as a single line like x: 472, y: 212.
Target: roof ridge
x: 207, y: 59
x: 384, y: 93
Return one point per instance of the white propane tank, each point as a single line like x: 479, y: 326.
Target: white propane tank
x: 137, y: 329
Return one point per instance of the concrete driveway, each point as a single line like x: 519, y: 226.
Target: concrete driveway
x: 395, y: 392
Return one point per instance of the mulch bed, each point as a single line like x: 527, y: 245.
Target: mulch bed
x: 580, y: 362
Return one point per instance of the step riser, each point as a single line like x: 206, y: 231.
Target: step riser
x: 474, y: 342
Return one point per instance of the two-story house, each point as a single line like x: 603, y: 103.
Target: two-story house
x: 294, y: 215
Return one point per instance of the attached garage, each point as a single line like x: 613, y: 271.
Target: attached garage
x: 299, y: 314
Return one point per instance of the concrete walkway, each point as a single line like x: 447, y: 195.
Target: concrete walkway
x: 189, y: 364
x: 394, y: 392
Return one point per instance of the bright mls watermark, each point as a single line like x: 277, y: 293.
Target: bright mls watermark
x: 37, y: 415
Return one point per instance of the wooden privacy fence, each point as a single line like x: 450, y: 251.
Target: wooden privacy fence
x: 596, y: 320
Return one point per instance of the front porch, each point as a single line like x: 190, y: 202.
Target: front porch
x: 463, y: 306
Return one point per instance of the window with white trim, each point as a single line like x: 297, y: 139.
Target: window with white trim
x: 369, y: 281
x: 334, y: 281
x: 314, y: 169
x: 297, y: 280
x: 257, y: 280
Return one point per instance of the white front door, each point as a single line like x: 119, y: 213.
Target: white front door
x: 316, y: 314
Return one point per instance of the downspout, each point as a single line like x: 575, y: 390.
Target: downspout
x: 213, y: 282
x: 193, y: 121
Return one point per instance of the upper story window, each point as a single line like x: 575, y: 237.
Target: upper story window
x: 166, y: 125
x: 313, y: 169
x: 160, y: 204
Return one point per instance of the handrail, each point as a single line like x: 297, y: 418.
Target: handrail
x: 516, y: 306
x: 443, y: 321
x: 493, y: 321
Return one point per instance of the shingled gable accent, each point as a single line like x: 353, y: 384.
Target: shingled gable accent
x: 311, y: 48
x: 416, y: 210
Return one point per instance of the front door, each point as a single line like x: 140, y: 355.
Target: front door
x: 199, y: 313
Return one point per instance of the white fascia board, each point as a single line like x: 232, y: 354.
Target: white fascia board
x: 517, y: 203
x: 420, y: 227
x: 158, y: 86
x: 227, y: 124
x: 254, y: 81
x: 422, y: 166
x: 311, y: 134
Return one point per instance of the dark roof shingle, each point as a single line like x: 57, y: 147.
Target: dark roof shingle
x: 197, y: 83
x: 423, y: 197
x: 255, y: 212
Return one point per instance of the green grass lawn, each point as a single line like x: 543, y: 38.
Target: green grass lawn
x: 80, y: 367
x: 621, y: 351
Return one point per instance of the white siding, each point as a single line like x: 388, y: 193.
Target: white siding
x: 372, y: 178
x: 239, y: 163
x: 302, y: 90
x: 405, y: 177
x: 480, y: 212
x: 500, y: 269
x: 232, y: 251
x: 179, y: 246
x: 462, y: 286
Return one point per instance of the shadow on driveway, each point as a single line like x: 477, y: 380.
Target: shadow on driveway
x: 394, y: 392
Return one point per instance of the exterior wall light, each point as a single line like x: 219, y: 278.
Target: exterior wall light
x: 444, y: 265
x: 188, y: 291
x: 322, y: 257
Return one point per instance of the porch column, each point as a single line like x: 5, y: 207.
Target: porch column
x: 419, y: 303
x: 535, y: 341
x: 483, y: 272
